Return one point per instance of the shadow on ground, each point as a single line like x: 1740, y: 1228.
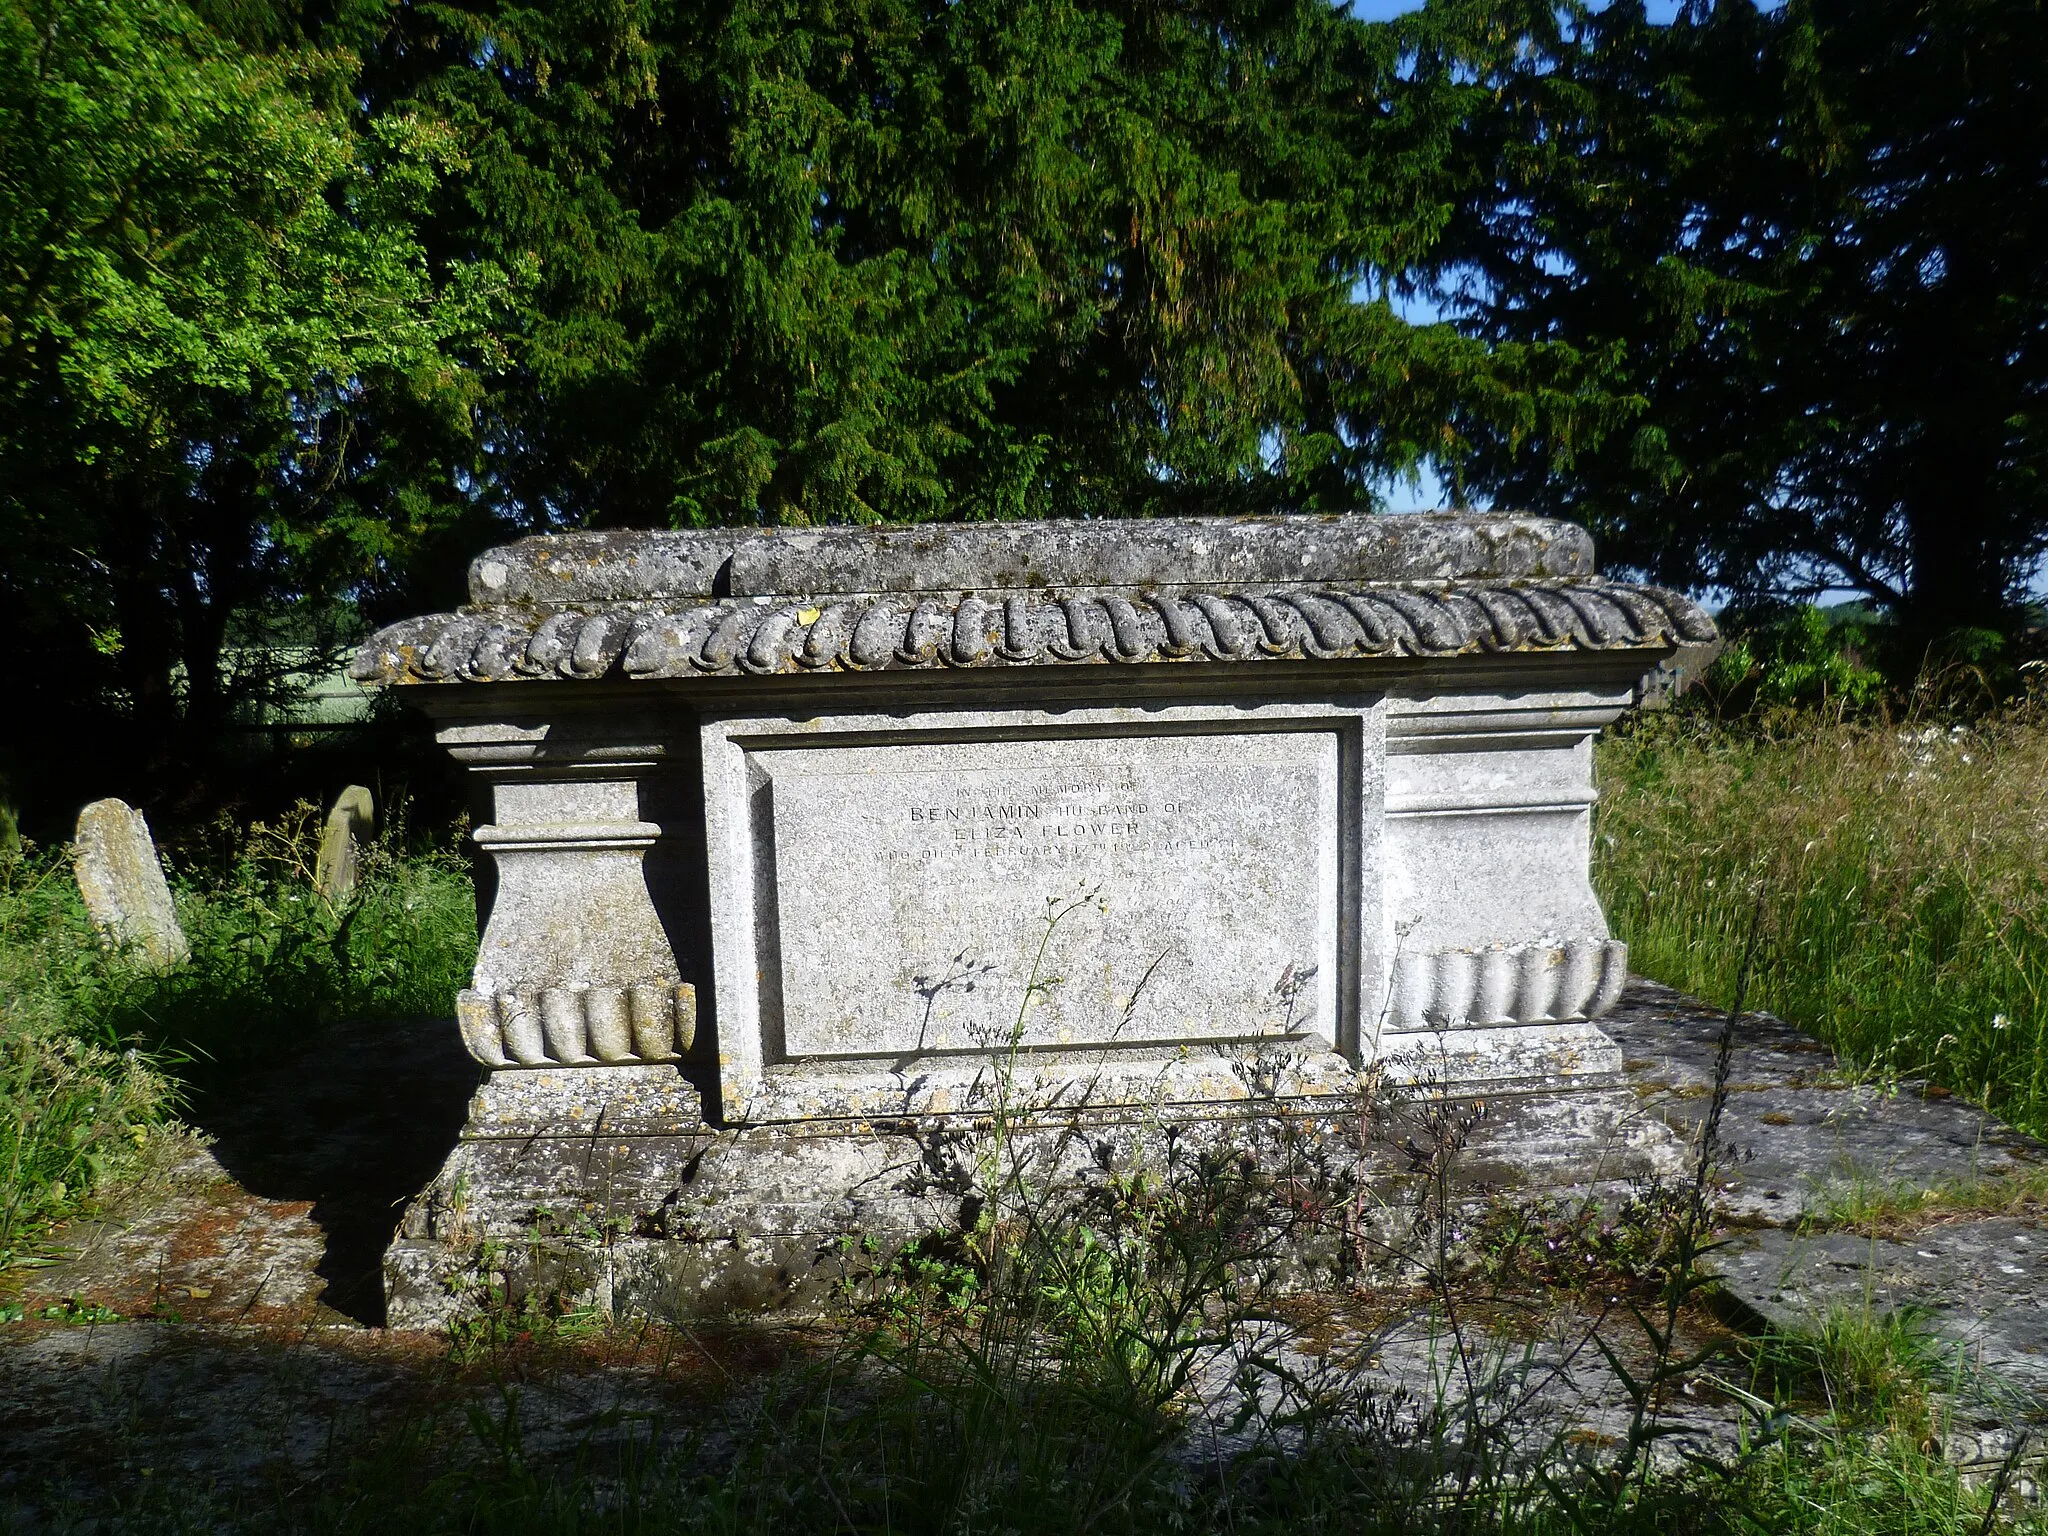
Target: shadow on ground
x: 353, y: 1127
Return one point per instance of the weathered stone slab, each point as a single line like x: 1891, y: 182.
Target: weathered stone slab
x: 1159, y: 888
x: 576, y: 1103
x: 575, y: 568
x: 122, y: 881
x: 1800, y: 1136
x: 348, y: 827
x: 615, y: 1211
x: 1800, y: 1143
x: 728, y: 603
x: 919, y: 887
x: 1978, y: 1287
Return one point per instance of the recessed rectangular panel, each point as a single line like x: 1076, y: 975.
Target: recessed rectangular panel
x: 951, y: 895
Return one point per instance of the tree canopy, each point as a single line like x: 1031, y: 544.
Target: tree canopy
x: 1806, y: 252
x: 208, y: 271
x: 301, y: 303
x: 861, y: 259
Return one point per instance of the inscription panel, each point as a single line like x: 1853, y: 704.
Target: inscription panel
x: 943, y: 896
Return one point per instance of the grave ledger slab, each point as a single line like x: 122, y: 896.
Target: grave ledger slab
x: 792, y: 833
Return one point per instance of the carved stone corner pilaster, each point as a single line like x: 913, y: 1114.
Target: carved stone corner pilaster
x: 572, y: 904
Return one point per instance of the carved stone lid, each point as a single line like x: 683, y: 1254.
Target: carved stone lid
x: 577, y: 569
x: 739, y: 602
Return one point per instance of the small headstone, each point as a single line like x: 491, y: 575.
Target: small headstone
x: 1684, y: 668
x: 124, y: 887
x: 348, y: 826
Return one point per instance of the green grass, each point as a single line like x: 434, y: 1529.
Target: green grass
x: 1875, y: 1396
x: 94, y: 1050
x: 1901, y: 874
x: 1894, y: 1207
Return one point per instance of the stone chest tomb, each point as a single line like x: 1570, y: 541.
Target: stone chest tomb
x: 791, y: 833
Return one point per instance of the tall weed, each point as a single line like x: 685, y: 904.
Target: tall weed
x: 1903, y: 871
x: 274, y: 962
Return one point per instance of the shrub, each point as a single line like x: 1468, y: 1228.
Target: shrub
x: 1809, y: 658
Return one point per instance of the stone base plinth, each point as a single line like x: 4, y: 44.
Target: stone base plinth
x: 604, y: 1187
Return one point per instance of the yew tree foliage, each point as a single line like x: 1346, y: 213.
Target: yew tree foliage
x: 1806, y: 254
x: 808, y: 260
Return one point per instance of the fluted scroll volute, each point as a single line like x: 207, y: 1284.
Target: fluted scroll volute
x: 1538, y: 983
x: 584, y: 1025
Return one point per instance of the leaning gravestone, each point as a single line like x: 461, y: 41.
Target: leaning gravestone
x: 348, y: 825
x: 123, y: 885
x: 1317, y: 788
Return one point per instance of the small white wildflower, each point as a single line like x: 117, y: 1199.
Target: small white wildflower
x: 2000, y: 1021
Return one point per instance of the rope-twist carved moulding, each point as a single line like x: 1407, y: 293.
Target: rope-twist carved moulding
x: 1037, y: 629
